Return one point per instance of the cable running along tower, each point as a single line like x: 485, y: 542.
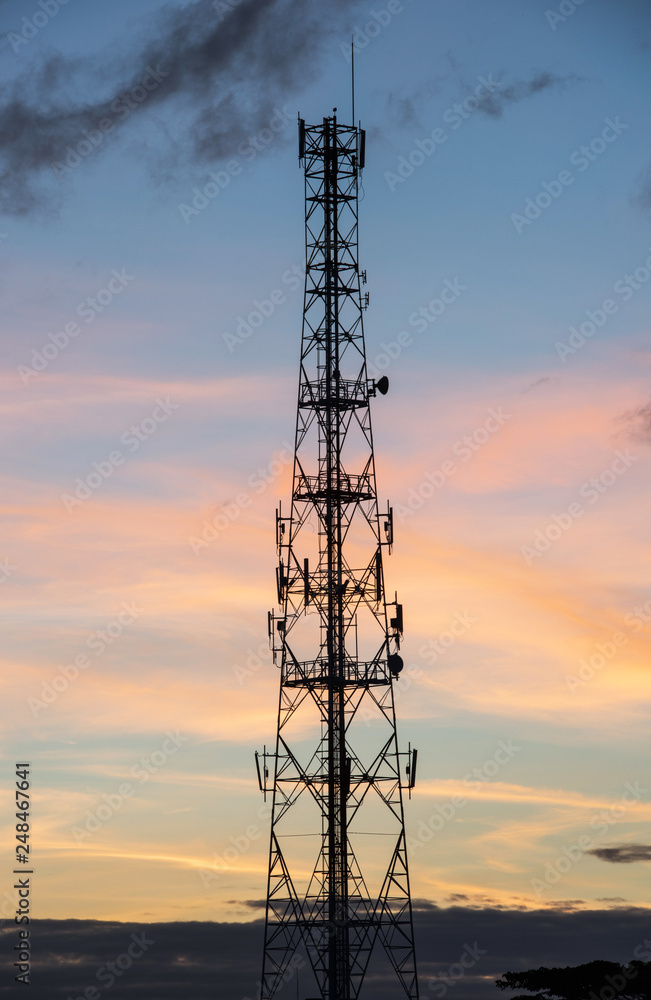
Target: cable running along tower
x: 338, y: 883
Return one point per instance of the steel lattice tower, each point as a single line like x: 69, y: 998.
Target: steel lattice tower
x: 338, y: 775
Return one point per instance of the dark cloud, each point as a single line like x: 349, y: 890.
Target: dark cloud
x: 623, y: 854
x: 204, y: 960
x: 220, y: 75
x: 522, y: 90
x: 545, y: 380
x: 406, y: 109
x: 637, y: 423
x: 401, y: 109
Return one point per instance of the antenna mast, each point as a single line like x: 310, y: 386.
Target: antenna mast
x: 352, y: 73
x: 338, y: 880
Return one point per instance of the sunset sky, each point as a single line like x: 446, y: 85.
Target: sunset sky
x: 147, y: 435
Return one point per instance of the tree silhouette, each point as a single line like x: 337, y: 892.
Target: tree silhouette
x: 594, y: 981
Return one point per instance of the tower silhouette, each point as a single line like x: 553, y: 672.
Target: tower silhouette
x: 338, y: 881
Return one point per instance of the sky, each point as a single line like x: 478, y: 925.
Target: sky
x: 151, y: 262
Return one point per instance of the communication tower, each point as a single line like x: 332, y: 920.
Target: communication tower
x: 338, y: 881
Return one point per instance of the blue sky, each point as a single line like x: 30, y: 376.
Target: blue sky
x: 231, y: 411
